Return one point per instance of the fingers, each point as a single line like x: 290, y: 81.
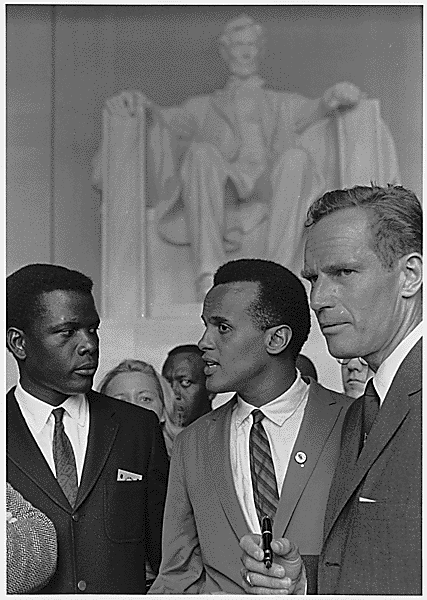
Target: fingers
x: 285, y: 548
x: 255, y: 566
x: 251, y: 544
x: 255, y: 583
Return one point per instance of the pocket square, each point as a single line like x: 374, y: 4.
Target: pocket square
x: 123, y: 475
x: 361, y: 499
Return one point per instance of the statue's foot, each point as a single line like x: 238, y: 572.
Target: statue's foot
x: 203, y: 285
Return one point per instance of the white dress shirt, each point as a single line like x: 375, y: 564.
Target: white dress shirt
x: 383, y: 378
x: 41, y: 422
x: 283, y: 417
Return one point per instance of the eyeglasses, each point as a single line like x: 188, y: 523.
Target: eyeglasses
x: 345, y: 361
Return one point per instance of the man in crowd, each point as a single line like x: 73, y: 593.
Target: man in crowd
x: 271, y: 450
x: 96, y: 466
x: 363, y: 260
x: 355, y: 372
x: 184, y: 369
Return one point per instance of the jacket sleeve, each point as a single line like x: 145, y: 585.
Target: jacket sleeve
x: 182, y: 570
x: 31, y: 545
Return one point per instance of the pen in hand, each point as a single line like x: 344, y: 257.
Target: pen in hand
x: 267, y: 537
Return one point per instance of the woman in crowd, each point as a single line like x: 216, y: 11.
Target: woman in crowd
x: 137, y: 382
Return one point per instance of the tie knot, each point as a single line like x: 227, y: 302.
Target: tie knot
x: 58, y: 414
x: 257, y: 416
x: 370, y: 389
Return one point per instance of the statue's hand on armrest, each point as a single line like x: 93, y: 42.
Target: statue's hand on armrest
x: 342, y: 95
x: 126, y: 103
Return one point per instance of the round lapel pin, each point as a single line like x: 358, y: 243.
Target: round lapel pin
x: 300, y: 458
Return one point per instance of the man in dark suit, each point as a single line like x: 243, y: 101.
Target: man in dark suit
x: 257, y: 319
x: 97, y: 467
x: 363, y: 260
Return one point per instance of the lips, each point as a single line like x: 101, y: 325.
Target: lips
x: 332, y: 327
x: 87, y: 370
x: 211, y: 366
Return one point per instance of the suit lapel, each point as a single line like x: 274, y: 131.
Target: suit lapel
x: 103, y: 429
x: 350, y: 444
x: 218, y: 451
x: 23, y: 450
x: 393, y: 412
x: 320, y: 416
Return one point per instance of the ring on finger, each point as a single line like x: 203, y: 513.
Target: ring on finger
x: 248, y: 579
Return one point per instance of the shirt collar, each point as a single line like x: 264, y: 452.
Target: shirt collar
x: 383, y: 378
x: 38, y: 412
x: 278, y: 410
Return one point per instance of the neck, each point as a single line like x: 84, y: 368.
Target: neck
x: 411, y: 319
x: 274, y: 384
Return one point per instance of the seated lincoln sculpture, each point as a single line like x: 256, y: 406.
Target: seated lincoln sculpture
x: 237, y: 158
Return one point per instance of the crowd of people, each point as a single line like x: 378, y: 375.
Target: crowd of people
x: 142, y: 487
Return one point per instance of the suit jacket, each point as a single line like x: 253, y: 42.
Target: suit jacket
x: 104, y: 540
x: 31, y: 545
x: 203, y: 518
x: 375, y: 547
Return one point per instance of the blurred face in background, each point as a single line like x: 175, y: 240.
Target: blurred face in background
x: 185, y: 374
x: 354, y: 374
x: 137, y: 388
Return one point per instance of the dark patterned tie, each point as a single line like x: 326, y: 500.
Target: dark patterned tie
x: 264, y: 482
x: 371, y: 405
x: 63, y: 455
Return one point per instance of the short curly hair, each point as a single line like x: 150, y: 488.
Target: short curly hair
x: 396, y: 222
x: 25, y: 286
x: 281, y: 299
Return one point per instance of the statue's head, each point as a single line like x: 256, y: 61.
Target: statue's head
x: 240, y: 45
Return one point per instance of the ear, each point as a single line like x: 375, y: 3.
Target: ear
x: 412, y: 270
x: 15, y: 342
x: 277, y: 338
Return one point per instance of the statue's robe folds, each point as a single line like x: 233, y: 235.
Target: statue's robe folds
x: 194, y: 146
x: 354, y: 147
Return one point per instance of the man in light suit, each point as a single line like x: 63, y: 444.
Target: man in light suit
x: 98, y: 467
x: 257, y: 319
x: 363, y: 260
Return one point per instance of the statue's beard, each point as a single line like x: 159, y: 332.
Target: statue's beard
x: 243, y: 70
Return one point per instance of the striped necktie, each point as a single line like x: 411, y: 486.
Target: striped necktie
x: 63, y: 456
x: 264, y: 482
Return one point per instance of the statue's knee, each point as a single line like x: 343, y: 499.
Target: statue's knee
x: 295, y: 156
x: 203, y: 151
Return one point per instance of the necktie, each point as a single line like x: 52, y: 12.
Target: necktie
x: 264, y: 482
x: 371, y: 404
x: 63, y: 456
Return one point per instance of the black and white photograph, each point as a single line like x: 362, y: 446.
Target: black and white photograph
x: 214, y: 299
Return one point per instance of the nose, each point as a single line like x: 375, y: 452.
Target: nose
x: 205, y: 342
x: 175, y: 388
x: 89, y: 343
x: 322, y: 294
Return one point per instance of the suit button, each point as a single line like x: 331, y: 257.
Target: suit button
x: 81, y: 585
x: 75, y: 517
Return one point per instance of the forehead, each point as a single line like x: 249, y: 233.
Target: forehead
x: 345, y: 233
x: 185, y: 362
x: 230, y: 300
x: 66, y: 305
x: 133, y: 380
